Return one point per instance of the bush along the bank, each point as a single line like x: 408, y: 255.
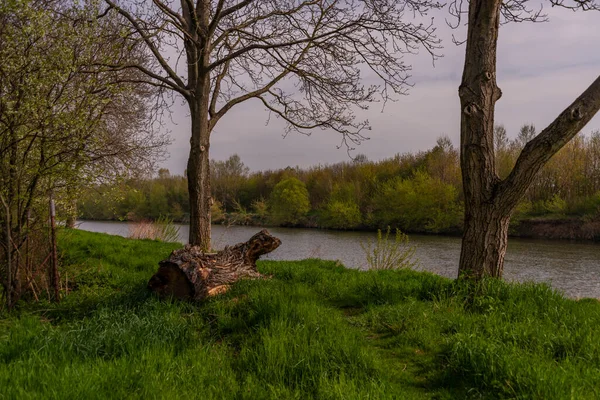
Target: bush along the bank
x: 313, y: 330
x: 414, y: 192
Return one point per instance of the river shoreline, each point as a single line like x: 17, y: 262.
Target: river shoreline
x: 571, y: 267
x: 572, y: 229
x: 580, y: 229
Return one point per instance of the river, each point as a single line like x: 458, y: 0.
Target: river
x: 571, y: 267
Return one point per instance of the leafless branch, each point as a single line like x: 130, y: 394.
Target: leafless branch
x: 540, y: 149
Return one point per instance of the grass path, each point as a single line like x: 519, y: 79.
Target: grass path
x: 314, y: 331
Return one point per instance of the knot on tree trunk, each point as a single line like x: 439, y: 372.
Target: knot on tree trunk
x: 470, y: 109
x: 191, y: 274
x: 576, y: 114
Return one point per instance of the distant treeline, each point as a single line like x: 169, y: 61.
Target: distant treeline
x: 416, y: 192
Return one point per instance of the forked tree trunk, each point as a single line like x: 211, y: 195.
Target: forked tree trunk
x: 490, y: 201
x: 486, y: 222
x: 191, y: 274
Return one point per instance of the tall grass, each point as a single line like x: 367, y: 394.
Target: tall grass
x: 314, y: 330
x: 389, y: 253
x: 163, y: 229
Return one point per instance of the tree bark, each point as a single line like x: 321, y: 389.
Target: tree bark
x: 198, y: 173
x: 197, y: 47
x: 484, y: 237
x: 54, y: 276
x: 71, y: 215
x: 192, y: 274
x: 484, y: 243
x: 8, y: 244
x: 490, y: 201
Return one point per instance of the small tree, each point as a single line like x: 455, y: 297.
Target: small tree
x: 227, y: 177
x: 60, y: 126
x: 289, y: 202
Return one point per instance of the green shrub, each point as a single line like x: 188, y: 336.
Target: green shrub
x: 289, y: 202
x: 420, y: 203
x: 556, y: 205
x: 217, y: 215
x: 340, y: 215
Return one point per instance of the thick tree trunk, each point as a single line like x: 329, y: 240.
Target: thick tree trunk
x: 198, y: 170
x: 486, y: 223
x: 489, y: 201
x: 191, y: 274
x: 198, y: 173
x: 484, y: 242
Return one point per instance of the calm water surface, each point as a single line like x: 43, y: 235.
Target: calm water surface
x: 571, y: 267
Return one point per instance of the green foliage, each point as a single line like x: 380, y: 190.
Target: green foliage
x: 289, y: 202
x: 240, y: 216
x: 64, y: 124
x: 261, y: 209
x: 314, y: 330
x: 556, y: 205
x: 521, y: 212
x: 341, y: 215
x: 587, y: 206
x: 417, y: 204
x: 216, y: 212
x: 416, y: 192
x: 228, y: 177
x: 389, y: 253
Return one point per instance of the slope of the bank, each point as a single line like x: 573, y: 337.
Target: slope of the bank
x: 315, y: 330
x: 575, y: 228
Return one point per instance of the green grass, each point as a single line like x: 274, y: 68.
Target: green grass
x: 315, y: 330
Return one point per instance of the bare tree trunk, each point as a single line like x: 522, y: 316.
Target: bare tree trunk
x: 191, y: 274
x: 198, y: 172
x: 484, y: 243
x: 72, y: 215
x: 484, y: 237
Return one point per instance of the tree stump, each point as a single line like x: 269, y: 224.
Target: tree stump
x: 190, y: 274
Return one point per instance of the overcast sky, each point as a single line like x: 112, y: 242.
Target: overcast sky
x: 542, y: 68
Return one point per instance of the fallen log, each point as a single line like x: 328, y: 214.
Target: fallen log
x: 191, y: 274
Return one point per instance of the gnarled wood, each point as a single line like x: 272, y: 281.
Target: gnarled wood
x: 191, y: 274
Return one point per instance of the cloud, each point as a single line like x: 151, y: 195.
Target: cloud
x: 542, y: 68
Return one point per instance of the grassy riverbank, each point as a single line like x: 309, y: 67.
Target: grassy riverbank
x: 315, y: 330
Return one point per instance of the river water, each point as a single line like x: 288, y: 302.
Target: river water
x: 571, y: 267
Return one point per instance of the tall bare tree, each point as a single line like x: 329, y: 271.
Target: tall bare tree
x: 489, y: 200
x: 302, y: 59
